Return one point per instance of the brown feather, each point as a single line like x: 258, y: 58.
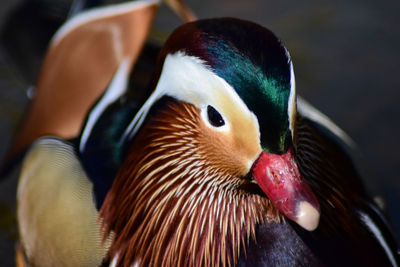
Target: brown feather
x: 173, y: 204
x: 76, y: 71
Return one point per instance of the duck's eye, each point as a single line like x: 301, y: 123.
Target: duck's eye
x: 214, y: 117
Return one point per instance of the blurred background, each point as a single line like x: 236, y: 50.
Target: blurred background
x: 346, y: 61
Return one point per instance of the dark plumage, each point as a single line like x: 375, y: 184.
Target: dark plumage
x: 183, y: 178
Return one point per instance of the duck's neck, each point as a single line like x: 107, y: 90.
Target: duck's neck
x: 169, y: 206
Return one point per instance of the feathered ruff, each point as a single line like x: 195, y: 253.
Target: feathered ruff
x: 172, y: 205
x: 186, y: 210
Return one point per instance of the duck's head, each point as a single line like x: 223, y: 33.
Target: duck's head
x: 226, y: 128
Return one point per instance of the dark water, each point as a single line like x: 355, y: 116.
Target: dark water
x: 346, y: 58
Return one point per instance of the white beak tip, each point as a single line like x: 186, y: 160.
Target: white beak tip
x: 308, y: 216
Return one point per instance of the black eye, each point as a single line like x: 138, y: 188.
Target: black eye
x: 214, y: 117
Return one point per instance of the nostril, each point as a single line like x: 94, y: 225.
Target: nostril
x: 275, y: 176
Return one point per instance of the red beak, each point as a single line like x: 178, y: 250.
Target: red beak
x: 280, y: 179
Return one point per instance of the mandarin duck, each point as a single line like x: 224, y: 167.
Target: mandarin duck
x: 221, y: 165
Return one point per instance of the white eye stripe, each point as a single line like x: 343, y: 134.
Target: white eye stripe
x: 189, y: 79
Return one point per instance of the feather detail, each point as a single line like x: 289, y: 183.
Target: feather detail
x: 325, y: 162
x: 57, y: 218
x: 335, y: 182
x: 171, y: 205
x: 117, y: 33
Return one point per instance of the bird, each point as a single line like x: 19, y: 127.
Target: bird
x: 223, y: 164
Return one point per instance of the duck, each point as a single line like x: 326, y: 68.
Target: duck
x: 222, y: 164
